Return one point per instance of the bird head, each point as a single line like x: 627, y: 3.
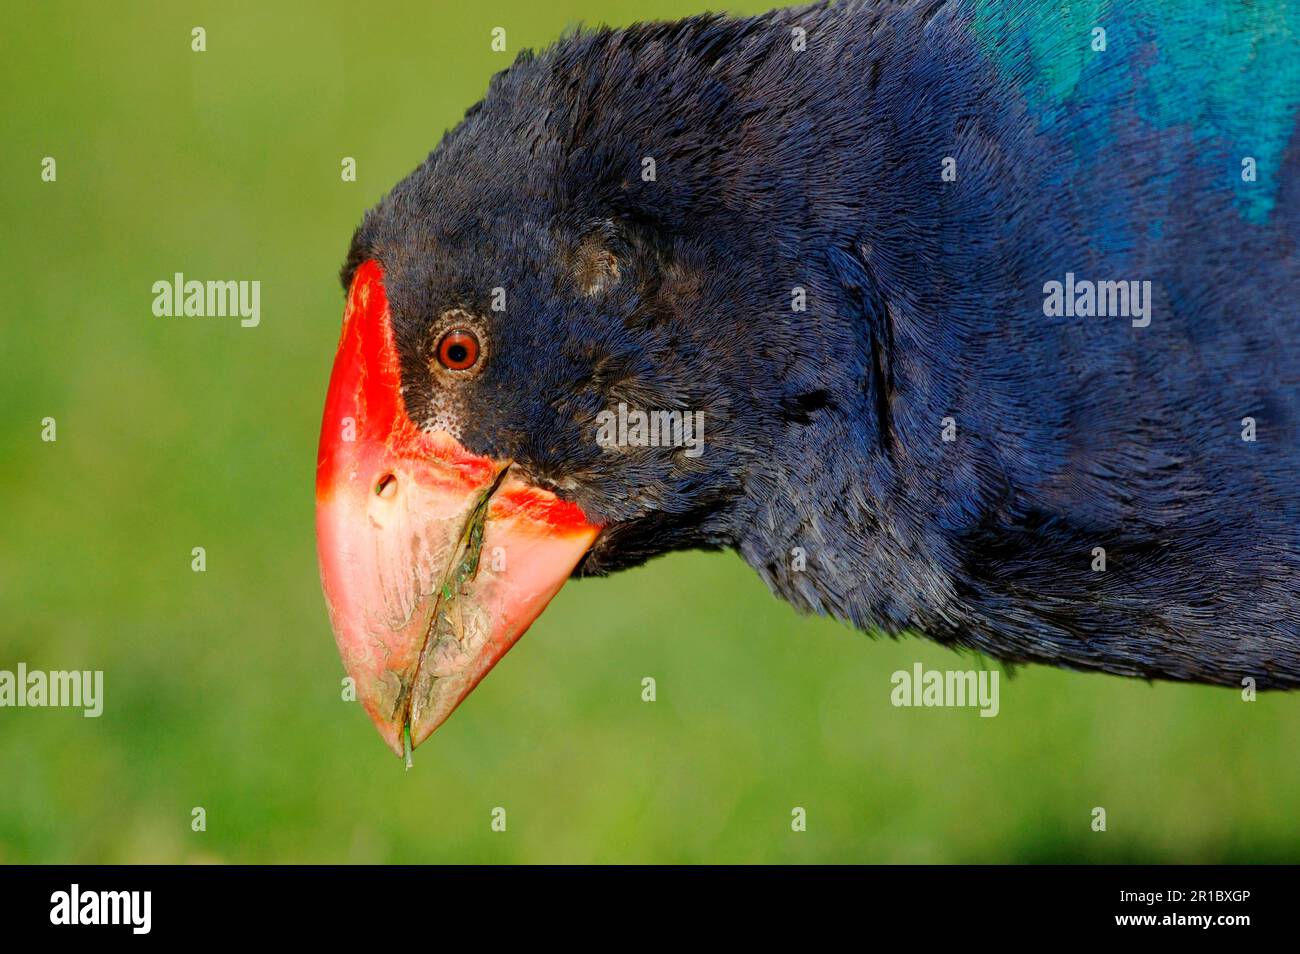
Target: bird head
x: 471, y: 458
x: 511, y: 402
x: 552, y: 364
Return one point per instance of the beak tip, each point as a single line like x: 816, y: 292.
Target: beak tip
x: 392, y: 738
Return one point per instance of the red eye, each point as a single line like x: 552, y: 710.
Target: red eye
x: 458, y: 350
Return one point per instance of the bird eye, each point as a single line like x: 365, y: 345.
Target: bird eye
x: 458, y: 350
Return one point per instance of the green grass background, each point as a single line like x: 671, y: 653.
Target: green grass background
x: 223, y: 688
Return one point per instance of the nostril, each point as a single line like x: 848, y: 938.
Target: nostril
x: 386, y: 487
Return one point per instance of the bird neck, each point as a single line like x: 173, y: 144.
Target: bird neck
x: 814, y: 523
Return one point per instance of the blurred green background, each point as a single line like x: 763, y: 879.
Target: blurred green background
x: 223, y: 687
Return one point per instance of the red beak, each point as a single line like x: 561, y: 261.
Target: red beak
x: 433, y: 560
